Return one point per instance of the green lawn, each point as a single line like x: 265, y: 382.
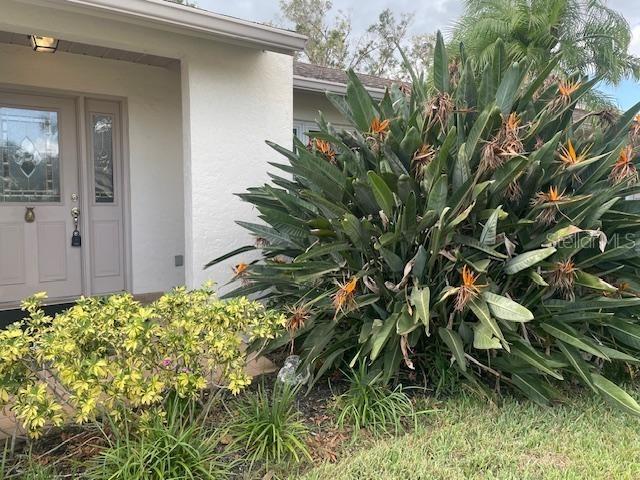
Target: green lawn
x: 468, y: 439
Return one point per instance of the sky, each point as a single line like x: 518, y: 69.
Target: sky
x: 429, y: 16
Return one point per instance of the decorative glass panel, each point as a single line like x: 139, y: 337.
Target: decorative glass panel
x: 102, y: 127
x: 29, y: 156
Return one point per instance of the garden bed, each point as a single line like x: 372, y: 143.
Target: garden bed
x: 462, y: 437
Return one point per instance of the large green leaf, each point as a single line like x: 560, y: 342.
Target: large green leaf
x: 391, y: 360
x: 627, y: 333
x: 570, y: 336
x: 489, y: 231
x: 321, y: 250
x: 615, y: 395
x: 382, y: 193
x: 492, y: 74
x: 461, y: 170
x: 268, y: 233
x: 577, y: 362
x: 508, y: 88
x: 473, y: 243
x: 532, y: 387
x: 454, y: 342
x: 360, y: 101
x: 438, y: 195
x: 467, y: 87
x: 614, y: 354
x: 440, y: 64
x: 437, y: 166
x: 420, y: 298
x: 527, y: 259
x: 353, y: 228
x: 483, y: 338
x: 479, y: 127
x: 331, y: 362
x: 587, y: 280
x: 621, y: 127
x: 380, y: 334
x: 539, y: 80
x: 233, y: 253
x: 481, y: 310
x: 534, y: 358
x: 506, y: 309
x: 411, y: 141
x: 406, y: 323
x: 322, y: 174
x: 392, y: 259
x: 340, y: 103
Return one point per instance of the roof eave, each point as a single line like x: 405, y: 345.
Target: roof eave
x: 190, y: 21
x: 318, y: 85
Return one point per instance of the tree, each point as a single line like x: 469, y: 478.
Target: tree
x: 375, y: 52
x: 592, y: 38
x: 184, y: 2
x: 328, y: 42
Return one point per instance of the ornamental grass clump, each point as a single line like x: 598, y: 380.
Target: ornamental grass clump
x: 172, y: 444
x: 480, y: 216
x: 117, y: 357
x: 370, y: 404
x: 268, y: 426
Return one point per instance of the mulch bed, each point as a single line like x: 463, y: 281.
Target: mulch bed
x: 65, y: 449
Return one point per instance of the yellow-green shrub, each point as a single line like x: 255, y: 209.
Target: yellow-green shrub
x: 113, y: 355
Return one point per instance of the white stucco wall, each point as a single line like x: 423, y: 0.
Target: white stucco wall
x: 185, y: 166
x: 237, y: 98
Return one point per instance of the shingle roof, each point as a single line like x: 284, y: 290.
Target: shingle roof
x: 318, y: 72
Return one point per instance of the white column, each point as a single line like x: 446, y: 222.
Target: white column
x: 234, y: 99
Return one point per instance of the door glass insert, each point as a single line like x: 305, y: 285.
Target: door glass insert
x: 102, y: 128
x: 29, y: 156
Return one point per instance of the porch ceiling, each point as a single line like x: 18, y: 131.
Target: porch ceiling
x: 96, y: 51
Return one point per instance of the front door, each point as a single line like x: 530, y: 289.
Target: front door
x: 38, y: 190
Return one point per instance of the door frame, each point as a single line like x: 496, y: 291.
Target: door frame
x: 83, y: 154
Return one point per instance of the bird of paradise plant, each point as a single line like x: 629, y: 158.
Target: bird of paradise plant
x: 468, y: 237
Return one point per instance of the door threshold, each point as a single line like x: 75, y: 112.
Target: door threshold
x: 11, y: 312
x: 48, y: 302
x: 7, y: 317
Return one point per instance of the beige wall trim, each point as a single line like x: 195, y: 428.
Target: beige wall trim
x: 187, y: 20
x: 317, y: 85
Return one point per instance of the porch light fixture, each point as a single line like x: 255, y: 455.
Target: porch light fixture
x: 44, y: 44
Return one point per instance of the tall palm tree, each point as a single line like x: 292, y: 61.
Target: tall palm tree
x: 592, y: 38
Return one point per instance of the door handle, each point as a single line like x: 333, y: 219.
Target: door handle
x: 30, y: 215
x: 75, y: 213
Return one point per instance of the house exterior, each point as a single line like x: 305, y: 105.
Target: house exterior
x: 120, y: 153
x: 147, y: 119
x: 310, y: 84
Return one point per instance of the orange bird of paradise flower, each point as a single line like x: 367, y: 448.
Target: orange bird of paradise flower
x: 379, y: 127
x: 567, y: 88
x: 569, y: 156
x: 624, y: 168
x: 548, y: 214
x: 343, y: 299
x: 468, y: 289
x: 325, y: 149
